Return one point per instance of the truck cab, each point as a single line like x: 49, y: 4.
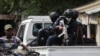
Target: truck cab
x: 28, y: 31
x: 29, y: 28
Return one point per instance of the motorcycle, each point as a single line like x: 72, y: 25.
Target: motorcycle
x: 9, y: 52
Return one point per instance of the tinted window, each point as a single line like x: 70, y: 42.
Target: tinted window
x: 36, y: 28
x: 47, y: 25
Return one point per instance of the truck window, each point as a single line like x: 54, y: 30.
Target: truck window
x: 36, y: 28
x: 47, y: 25
x: 21, y: 32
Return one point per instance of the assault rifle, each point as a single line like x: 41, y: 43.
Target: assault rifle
x: 64, y: 32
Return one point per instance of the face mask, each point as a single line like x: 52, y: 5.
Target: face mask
x: 68, y: 19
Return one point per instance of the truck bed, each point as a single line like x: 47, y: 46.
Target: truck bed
x: 67, y: 50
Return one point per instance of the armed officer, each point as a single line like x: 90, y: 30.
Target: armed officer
x: 69, y: 19
x: 43, y: 34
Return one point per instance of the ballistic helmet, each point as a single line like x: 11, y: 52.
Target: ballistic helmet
x: 75, y: 14
x: 68, y: 13
x: 71, y: 13
x: 53, y: 16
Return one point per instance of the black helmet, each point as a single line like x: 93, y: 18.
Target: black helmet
x: 68, y: 13
x: 71, y: 13
x: 53, y: 16
x: 75, y: 14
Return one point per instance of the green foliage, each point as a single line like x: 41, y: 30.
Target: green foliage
x: 44, y: 7
x: 37, y: 7
x: 6, y: 6
x: 12, y: 6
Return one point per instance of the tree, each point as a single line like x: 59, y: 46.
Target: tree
x: 14, y: 7
x: 43, y: 7
x: 37, y: 7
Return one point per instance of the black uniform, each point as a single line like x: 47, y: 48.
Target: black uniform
x: 43, y: 34
x: 71, y: 30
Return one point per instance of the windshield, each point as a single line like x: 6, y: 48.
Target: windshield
x: 21, y: 32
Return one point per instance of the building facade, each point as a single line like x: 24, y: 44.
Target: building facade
x: 90, y: 16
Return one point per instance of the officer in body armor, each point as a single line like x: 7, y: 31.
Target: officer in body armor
x: 43, y: 34
x: 70, y: 23
x: 74, y: 35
